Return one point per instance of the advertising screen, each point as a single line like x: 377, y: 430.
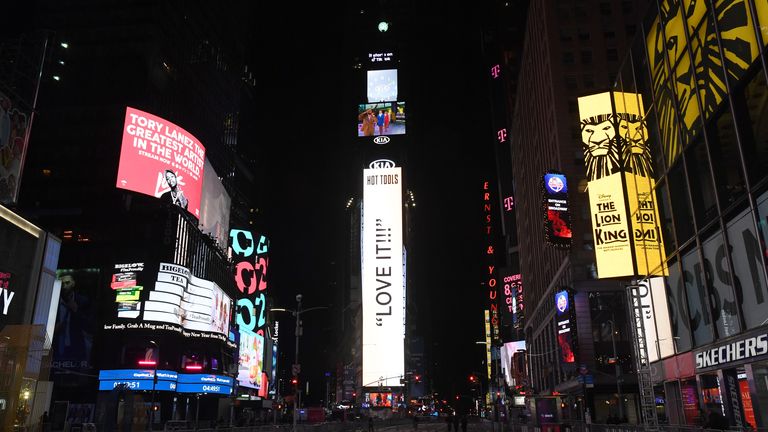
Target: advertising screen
x: 375, y: 400
x: 251, y: 362
x: 557, y: 218
x: 188, y: 304
x: 383, y: 118
x: 14, y: 127
x: 382, y: 276
x: 215, y: 207
x: 160, y: 159
x: 619, y: 169
x: 251, y: 258
x: 382, y: 85
x: 75, y: 319
x: 564, y: 334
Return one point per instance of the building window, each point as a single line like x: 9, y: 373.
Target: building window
x: 678, y: 311
x: 725, y: 159
x: 609, y: 35
x: 611, y: 54
x: 695, y: 289
x: 721, y: 286
x: 665, y: 213
x: 626, y: 7
x: 704, y: 205
x: 568, y: 57
x: 583, y: 35
x: 589, y: 82
x: 748, y: 266
x: 564, y: 36
x: 570, y: 82
x: 681, y: 210
x: 751, y: 107
x: 586, y: 57
x: 630, y: 30
x: 605, y: 9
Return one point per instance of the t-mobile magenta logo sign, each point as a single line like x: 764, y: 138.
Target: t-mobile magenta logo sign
x: 509, y: 202
x: 502, y: 134
x: 495, y: 70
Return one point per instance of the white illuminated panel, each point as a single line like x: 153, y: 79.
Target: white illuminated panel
x: 382, y: 270
x: 382, y: 85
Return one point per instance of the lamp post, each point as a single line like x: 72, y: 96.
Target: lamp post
x: 154, y: 383
x: 297, y: 313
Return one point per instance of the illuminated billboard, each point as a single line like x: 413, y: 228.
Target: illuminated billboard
x: 383, y: 118
x: 382, y: 85
x: 382, y: 277
x: 557, y: 217
x: 174, y: 300
x: 621, y: 186
x: 251, y: 258
x: 565, y: 338
x: 160, y: 159
x: 215, y: 207
x: 14, y: 131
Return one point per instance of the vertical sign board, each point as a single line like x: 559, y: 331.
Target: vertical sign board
x: 382, y: 268
x: 491, y: 274
x: 488, y: 342
x: 565, y: 339
x: 557, y: 218
x: 250, y: 255
x: 626, y: 231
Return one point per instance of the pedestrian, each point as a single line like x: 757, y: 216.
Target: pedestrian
x: 456, y: 423
x: 386, y: 121
x: 463, y: 424
x: 415, y: 422
x: 449, y: 421
x: 368, y: 122
x: 380, y: 122
x: 45, y: 422
x: 370, y: 424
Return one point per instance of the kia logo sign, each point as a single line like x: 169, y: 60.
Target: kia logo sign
x: 381, y: 163
x: 381, y: 140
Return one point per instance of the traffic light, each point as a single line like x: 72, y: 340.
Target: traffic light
x: 472, y: 379
x: 295, y: 381
x: 417, y: 378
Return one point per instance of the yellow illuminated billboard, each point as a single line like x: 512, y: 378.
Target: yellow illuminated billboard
x: 625, y: 220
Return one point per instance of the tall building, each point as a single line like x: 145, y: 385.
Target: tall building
x: 697, y: 70
x: 175, y: 63
x: 569, y: 49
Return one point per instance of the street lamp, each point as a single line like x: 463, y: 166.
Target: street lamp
x: 297, y: 313
x: 154, y: 383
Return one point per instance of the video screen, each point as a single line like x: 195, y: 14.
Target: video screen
x: 251, y: 364
x: 379, y: 399
x: 160, y: 159
x: 215, y: 207
x: 382, y: 85
x: 385, y: 118
x: 177, y: 298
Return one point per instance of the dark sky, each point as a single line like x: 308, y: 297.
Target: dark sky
x: 307, y: 104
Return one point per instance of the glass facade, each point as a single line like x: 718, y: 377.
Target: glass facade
x: 700, y: 68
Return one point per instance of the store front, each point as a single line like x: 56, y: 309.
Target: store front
x: 732, y: 379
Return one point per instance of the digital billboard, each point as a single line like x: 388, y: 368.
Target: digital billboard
x: 215, y: 207
x: 160, y: 159
x: 75, y: 319
x: 557, y: 217
x: 382, y: 85
x: 565, y: 339
x: 251, y: 258
x: 141, y: 379
x: 382, y: 276
x: 14, y: 129
x: 383, y: 118
x: 193, y: 306
x: 376, y: 400
x: 621, y: 186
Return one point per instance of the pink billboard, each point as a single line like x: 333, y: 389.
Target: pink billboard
x: 161, y: 159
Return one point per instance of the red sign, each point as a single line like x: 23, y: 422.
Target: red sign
x: 161, y: 159
x: 746, y: 399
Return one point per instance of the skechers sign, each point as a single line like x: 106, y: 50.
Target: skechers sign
x: 381, y: 140
x: 734, y: 351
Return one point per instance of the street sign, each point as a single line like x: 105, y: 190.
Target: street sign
x: 296, y: 369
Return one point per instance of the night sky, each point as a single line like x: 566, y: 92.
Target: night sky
x: 306, y: 115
